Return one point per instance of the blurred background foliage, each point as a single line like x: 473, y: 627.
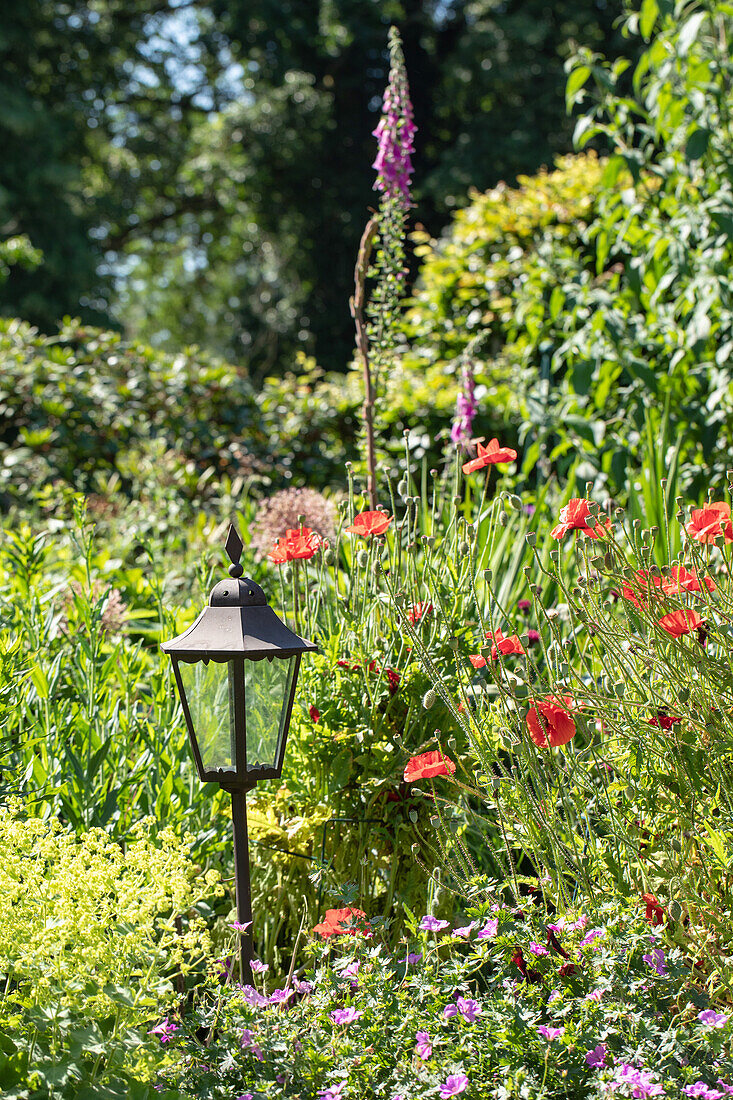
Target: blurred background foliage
x: 196, y: 171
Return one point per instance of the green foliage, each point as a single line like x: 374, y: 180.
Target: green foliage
x: 97, y: 940
x: 612, y: 998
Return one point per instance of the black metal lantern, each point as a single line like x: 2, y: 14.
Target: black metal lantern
x: 236, y: 668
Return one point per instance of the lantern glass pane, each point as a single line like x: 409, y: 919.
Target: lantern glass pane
x: 267, y: 688
x: 210, y: 698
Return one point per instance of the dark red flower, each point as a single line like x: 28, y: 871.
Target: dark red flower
x: 709, y: 522
x: 524, y: 606
x: 527, y: 973
x: 294, y: 545
x: 370, y: 523
x: 427, y: 765
x: 554, y: 943
x: 393, y: 680
x: 533, y: 637
x: 550, y: 722
x: 680, y: 622
x: 567, y: 969
x: 654, y: 912
x: 314, y: 713
x: 488, y: 455
x: 663, y: 720
x: 340, y: 922
x: 419, y: 611
x: 573, y: 518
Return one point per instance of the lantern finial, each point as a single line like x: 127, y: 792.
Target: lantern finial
x: 234, y: 546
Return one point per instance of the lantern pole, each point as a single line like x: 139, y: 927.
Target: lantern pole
x: 242, y: 880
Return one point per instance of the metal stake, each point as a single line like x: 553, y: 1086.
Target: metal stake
x: 242, y: 880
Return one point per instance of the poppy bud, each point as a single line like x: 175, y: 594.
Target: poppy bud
x: 503, y: 519
x: 402, y: 488
x: 288, y: 573
x: 428, y: 699
x: 329, y: 557
x: 362, y: 559
x: 464, y: 548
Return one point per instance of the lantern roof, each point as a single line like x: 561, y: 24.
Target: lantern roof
x: 237, y: 622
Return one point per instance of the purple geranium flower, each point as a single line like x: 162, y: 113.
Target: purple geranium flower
x: 432, y: 924
x: 259, y: 967
x: 638, y: 1080
x: 597, y: 1056
x: 711, y: 1018
x: 333, y: 1092
x: 253, y: 998
x: 164, y: 1030
x: 468, y: 1009
x: 656, y: 961
x: 453, y: 1085
x: 346, y: 1016
x: 449, y: 1011
x: 537, y: 948
x: 466, y: 930
x: 237, y: 926
x: 423, y: 1045
x: 550, y: 1033
x: 279, y: 996
x: 594, y: 934
x: 489, y: 930
x: 412, y: 958
x: 700, y: 1091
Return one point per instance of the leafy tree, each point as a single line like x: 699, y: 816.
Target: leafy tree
x: 98, y: 98
x: 267, y: 265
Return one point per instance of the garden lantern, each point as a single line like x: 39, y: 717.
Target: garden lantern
x: 236, y: 668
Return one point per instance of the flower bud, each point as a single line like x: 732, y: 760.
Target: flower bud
x: 288, y: 573
x: 503, y: 519
x: 428, y: 699
x: 464, y: 548
x: 329, y: 557
x: 362, y: 559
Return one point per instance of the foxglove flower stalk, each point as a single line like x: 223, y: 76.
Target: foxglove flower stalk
x: 395, y: 131
x: 466, y: 408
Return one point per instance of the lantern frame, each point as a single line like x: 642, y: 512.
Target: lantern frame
x: 235, y: 627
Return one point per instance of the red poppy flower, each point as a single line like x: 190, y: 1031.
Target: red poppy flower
x: 489, y: 455
x: 340, y: 922
x: 663, y: 720
x: 642, y: 585
x: 654, y: 911
x: 477, y: 660
x: 710, y: 521
x: 682, y: 581
x: 503, y: 645
x: 427, y: 765
x: 314, y: 713
x: 418, y: 611
x: 573, y: 517
x: 370, y: 523
x: 550, y: 722
x: 680, y: 622
x: 295, y: 544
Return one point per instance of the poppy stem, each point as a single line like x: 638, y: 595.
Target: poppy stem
x: 356, y: 306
